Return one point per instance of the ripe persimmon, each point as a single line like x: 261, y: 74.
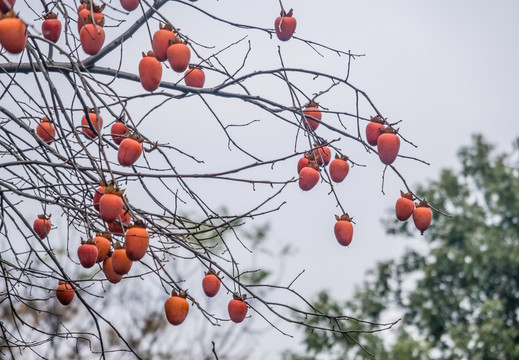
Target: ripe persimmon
x: 374, y: 129
x: 211, y: 283
x: 110, y: 204
x: 97, y: 123
x: 304, y: 161
x: 194, y: 77
x: 388, y: 144
x: 339, y: 168
x: 130, y: 150
x: 422, y: 216
x: 176, y: 308
x: 45, y: 129
x: 322, y: 155
x: 13, y: 33
x: 108, y: 269
x: 51, y: 27
x: 309, y: 176
x: 136, y: 241
x: 65, y: 293
x: 285, y: 25
x: 179, y: 56
x: 103, y: 245
x: 86, y: 16
x: 150, y: 71
x: 343, y: 229
x: 119, y: 131
x: 311, y: 116
x: 87, y: 253
x: 404, y: 206
x: 120, y: 262
x: 237, y: 309
x: 6, y: 7
x: 42, y: 226
x: 97, y: 196
x: 130, y: 5
x: 92, y: 38
x: 161, y: 41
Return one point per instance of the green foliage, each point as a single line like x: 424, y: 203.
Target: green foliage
x: 459, y: 299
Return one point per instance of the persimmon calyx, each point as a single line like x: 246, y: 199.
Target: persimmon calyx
x: 344, y: 217
x: 287, y: 14
x: 112, y: 189
x: 211, y: 271
x: 50, y: 16
x: 422, y: 203
x: 377, y: 119
x: 407, y: 195
x: 237, y: 296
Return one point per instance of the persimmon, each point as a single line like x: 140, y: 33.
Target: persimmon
x: 343, y: 229
x: 42, y: 226
x: 87, y: 253
x: 13, y: 33
x: 339, y: 168
x: 119, y: 226
x: 307, y: 157
x: 119, y: 131
x: 237, y: 308
x: 92, y: 38
x: 373, y: 130
x: 136, y: 241
x: 194, y: 77
x: 161, y: 41
x: 322, y: 155
x: 6, y: 7
x: 211, y: 283
x: 65, y: 293
x: 130, y: 150
x: 404, y: 206
x: 45, y: 129
x: 179, y: 56
x: 120, y: 262
x: 130, y: 5
x: 86, y: 16
x: 388, y: 144
x: 309, y: 176
x: 96, y: 121
x: 108, y: 269
x: 85, y: 4
x: 150, y: 71
x: 311, y: 116
x: 103, y: 245
x: 51, y: 27
x: 285, y: 25
x: 422, y: 216
x: 97, y: 196
x: 111, y: 204
x: 176, y: 308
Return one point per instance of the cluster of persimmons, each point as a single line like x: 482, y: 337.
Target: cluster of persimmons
x: 116, y: 257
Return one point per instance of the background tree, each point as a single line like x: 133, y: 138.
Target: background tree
x: 459, y: 291
x: 175, y: 183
